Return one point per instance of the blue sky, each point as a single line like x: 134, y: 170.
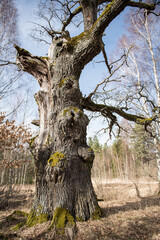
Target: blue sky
x: 92, y: 73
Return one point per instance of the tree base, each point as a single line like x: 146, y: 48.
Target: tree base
x: 63, y: 222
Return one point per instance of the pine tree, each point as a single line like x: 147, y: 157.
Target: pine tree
x: 142, y: 145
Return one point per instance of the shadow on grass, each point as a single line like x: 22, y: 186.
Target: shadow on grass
x: 13, y: 202
x: 139, y: 205
x: 143, y: 228
x: 134, y: 225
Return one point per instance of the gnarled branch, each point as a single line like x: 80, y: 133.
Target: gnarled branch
x: 113, y: 9
x: 5, y: 63
x: 130, y: 3
x: 149, y: 7
x: 109, y: 111
x: 36, y: 66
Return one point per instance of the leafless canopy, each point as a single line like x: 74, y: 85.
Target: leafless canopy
x: 60, y: 17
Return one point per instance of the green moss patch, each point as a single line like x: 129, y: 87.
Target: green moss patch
x: 34, y: 218
x: 144, y: 121
x: 90, y: 149
x: 46, y: 58
x: 61, y: 218
x: 20, y: 213
x: 97, y: 213
x: 55, y: 158
x: 105, y: 12
x: 75, y: 40
x: 86, y: 34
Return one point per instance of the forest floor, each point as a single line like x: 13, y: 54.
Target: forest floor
x: 126, y: 216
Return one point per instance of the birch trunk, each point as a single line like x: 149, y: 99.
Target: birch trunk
x: 156, y: 79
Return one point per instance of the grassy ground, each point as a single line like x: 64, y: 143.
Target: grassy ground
x: 125, y: 216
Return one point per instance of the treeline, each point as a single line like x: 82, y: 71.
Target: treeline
x: 130, y: 156
x: 16, y: 163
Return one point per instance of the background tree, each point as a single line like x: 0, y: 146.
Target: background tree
x: 94, y: 143
x: 142, y: 144
x: 15, y: 90
x: 15, y: 157
x: 130, y: 157
x: 63, y: 160
x: 8, y: 37
x: 142, y: 73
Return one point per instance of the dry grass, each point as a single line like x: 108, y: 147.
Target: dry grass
x: 125, y: 216
x: 120, y: 190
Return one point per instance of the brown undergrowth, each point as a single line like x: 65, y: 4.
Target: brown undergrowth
x: 125, y: 216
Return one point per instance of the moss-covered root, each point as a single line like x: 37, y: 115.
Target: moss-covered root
x: 61, y: 219
x: 34, y: 218
x: 18, y: 215
x: 19, y: 225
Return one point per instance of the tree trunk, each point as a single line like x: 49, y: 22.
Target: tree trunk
x: 2, y: 176
x: 62, y: 158
x: 63, y: 161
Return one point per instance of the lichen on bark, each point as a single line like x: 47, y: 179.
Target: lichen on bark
x: 72, y: 111
x: 55, y: 158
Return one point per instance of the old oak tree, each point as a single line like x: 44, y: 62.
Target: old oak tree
x: 63, y: 160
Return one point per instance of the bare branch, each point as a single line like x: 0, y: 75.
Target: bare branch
x: 50, y: 32
x: 108, y: 111
x: 141, y: 5
x: 14, y: 110
x: 106, y: 80
x: 4, y: 63
x: 72, y: 15
x: 105, y: 57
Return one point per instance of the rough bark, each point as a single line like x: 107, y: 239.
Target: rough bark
x: 63, y: 160
x: 89, y: 10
